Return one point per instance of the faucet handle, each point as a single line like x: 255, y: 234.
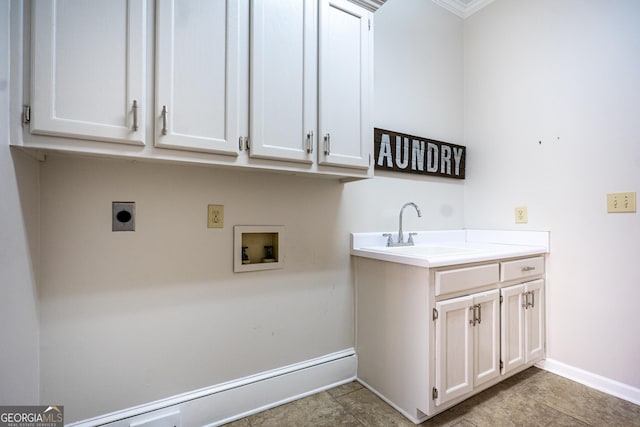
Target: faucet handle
x: 389, y: 239
x: 411, y: 242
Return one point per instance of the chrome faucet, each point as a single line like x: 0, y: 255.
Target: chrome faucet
x: 401, y: 241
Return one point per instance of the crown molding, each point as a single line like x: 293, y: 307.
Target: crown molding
x: 370, y: 5
x: 463, y: 9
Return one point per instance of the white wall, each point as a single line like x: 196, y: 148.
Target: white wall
x: 127, y: 318
x: 18, y: 253
x: 551, y: 122
x: 418, y: 90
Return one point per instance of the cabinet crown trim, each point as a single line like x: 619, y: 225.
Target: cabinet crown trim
x: 370, y: 5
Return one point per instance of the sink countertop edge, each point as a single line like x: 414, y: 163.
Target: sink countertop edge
x: 493, y: 245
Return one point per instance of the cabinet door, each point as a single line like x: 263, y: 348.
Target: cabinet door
x: 454, y: 348
x: 512, y: 328
x: 283, y: 79
x: 535, y: 320
x: 198, y: 66
x: 88, y: 69
x: 486, y: 337
x: 345, y: 81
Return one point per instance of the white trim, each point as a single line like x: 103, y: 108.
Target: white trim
x: 463, y: 9
x: 411, y: 417
x: 232, y: 400
x: 606, y: 385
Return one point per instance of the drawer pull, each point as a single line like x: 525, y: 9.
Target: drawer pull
x: 527, y: 268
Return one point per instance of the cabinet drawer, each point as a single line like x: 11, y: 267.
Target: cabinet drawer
x: 465, y: 278
x: 512, y: 270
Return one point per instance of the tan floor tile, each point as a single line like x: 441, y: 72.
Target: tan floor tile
x: 345, y: 389
x: 372, y: 411
x: 239, y: 423
x: 318, y: 410
x: 581, y: 402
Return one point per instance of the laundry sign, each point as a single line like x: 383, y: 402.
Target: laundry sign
x: 400, y: 152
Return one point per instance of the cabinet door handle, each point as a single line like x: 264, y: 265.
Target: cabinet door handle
x: 479, y: 313
x: 164, y: 119
x: 310, y: 142
x: 135, y: 115
x: 327, y: 144
x: 533, y: 299
x: 472, y: 321
x: 526, y: 300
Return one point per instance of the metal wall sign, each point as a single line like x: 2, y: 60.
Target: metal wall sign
x: 400, y: 152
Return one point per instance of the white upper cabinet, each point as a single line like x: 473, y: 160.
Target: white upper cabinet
x: 283, y: 79
x: 198, y: 67
x: 280, y: 85
x: 345, y: 83
x: 88, y: 62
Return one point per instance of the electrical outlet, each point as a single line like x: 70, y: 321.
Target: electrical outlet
x: 123, y: 216
x: 521, y: 215
x: 621, y: 202
x: 215, y: 216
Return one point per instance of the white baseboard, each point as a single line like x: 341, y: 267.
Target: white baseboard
x: 606, y: 385
x: 230, y: 401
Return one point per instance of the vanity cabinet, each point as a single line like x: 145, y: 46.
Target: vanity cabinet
x: 283, y: 86
x: 467, y: 344
x: 522, y: 324
x: 89, y: 74
x: 428, y: 338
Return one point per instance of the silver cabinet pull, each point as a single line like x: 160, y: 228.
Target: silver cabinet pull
x: 135, y: 115
x: 526, y: 300
x: 479, y: 313
x: 527, y: 268
x: 533, y: 299
x: 327, y: 144
x: 310, y: 142
x: 472, y: 321
x: 164, y: 119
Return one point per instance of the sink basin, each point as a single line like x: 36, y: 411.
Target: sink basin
x: 421, y: 250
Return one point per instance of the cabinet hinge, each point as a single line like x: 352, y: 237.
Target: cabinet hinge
x: 435, y: 314
x: 26, y: 114
x: 501, y: 299
x: 501, y: 364
x: 369, y: 24
x: 434, y: 393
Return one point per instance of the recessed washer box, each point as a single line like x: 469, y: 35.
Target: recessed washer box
x: 258, y: 247
x: 123, y: 216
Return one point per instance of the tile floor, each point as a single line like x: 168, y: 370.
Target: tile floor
x: 532, y: 398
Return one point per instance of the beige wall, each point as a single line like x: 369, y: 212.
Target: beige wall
x: 127, y: 318
x: 19, y: 381
x: 551, y: 122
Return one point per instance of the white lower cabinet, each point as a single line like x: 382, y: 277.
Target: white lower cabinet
x: 522, y: 330
x: 428, y: 338
x: 467, y: 344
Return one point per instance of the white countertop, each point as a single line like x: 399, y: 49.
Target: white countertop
x: 450, y: 247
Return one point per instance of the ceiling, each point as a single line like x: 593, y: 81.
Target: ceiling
x: 463, y: 8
